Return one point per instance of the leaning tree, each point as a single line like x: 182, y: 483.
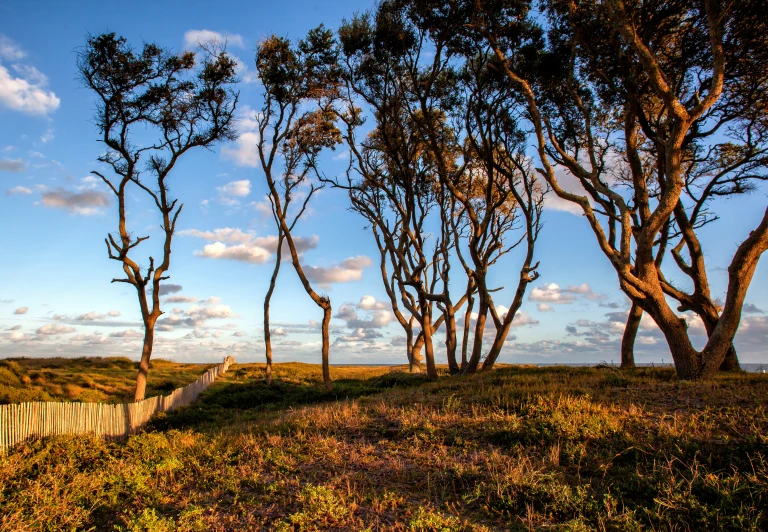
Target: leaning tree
x: 673, y: 75
x: 187, y: 104
x: 295, y: 126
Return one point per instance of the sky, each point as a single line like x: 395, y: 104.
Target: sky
x: 56, y: 298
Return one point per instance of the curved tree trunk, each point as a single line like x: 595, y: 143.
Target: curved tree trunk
x: 450, y: 339
x: 418, y: 345
x: 465, y: 338
x: 630, y: 333
x: 477, y: 347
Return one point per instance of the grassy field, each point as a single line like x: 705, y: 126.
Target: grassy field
x: 520, y: 448
x: 103, y: 380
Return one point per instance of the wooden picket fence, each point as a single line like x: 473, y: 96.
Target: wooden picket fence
x: 26, y: 421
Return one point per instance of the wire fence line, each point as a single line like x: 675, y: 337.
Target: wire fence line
x: 26, y: 421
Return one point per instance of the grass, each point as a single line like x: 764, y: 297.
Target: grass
x: 102, y: 380
x: 519, y: 448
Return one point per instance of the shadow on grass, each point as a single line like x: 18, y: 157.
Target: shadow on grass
x: 227, y: 402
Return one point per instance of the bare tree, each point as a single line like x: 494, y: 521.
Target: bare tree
x: 293, y: 78
x: 156, y: 90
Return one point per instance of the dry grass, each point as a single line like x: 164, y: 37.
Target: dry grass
x: 96, y: 380
x: 516, y: 449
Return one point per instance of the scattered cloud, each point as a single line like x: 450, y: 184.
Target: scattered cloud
x: 369, y: 303
x: 236, y: 188
x: 348, y: 270
x: 181, y: 299
x: 169, y: 288
x: 249, y: 248
x: 195, y: 38
x: 749, y: 308
x: 84, y: 203
x: 214, y: 312
x: 543, y: 307
x: 240, y: 252
x: 113, y: 313
x: 278, y: 331
x: 378, y: 319
x: 21, y: 310
x: 552, y: 294
x: 244, y: 151
x: 19, y: 191
x: 224, y: 234
x: 12, y: 165
x: 127, y: 333
x: 54, y: 328
x: 26, y: 91
x: 10, y: 50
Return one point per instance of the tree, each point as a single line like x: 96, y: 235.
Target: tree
x: 153, y: 90
x: 295, y: 77
x: 457, y: 116
x: 672, y: 74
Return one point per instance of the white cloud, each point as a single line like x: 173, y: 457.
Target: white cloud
x: 181, y: 299
x: 522, y: 319
x: 27, y: 95
x: 378, y: 319
x: 278, y: 331
x: 55, y: 328
x: 18, y: 336
x: 215, y: 312
x: 236, y: 188
x: 205, y: 37
x: 84, y: 203
x: 21, y: 310
x: 224, y: 234
x: 114, y: 313
x: 128, y: 333
x: 369, y: 303
x: 553, y: 294
x: 245, y: 151
x: 543, y: 307
x: 19, y: 190
x: 240, y: 252
x: 349, y: 270
x: 90, y: 316
x: 9, y: 50
x: 250, y: 248
x: 12, y: 165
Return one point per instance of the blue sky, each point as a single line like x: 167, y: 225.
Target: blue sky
x: 55, y: 294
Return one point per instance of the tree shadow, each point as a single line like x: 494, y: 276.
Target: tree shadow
x: 229, y: 402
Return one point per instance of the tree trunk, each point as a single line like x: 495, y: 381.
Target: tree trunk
x: 477, y: 348
x: 146, y: 354
x: 630, y: 333
x: 267, y: 300
x: 416, y: 353
x: 326, y: 345
x: 498, y: 343
x: 426, y: 331
x: 465, y: 338
x: 450, y: 339
x: 731, y: 360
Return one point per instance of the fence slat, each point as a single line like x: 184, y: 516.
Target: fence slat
x: 25, y: 421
